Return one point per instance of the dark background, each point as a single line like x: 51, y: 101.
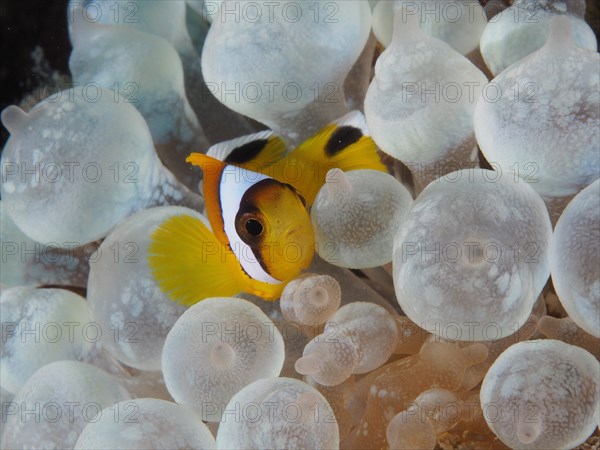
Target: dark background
x: 27, y: 24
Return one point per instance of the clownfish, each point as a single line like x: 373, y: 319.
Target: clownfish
x: 257, y: 202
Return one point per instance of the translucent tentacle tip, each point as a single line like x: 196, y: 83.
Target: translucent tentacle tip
x: 222, y: 355
x: 152, y: 418
x: 406, y: 25
x: 81, y: 24
x: 554, y: 388
x: 13, y: 118
x: 311, y: 300
x: 328, y: 359
x: 409, y: 430
x: 217, y: 347
x: 356, y: 215
x: 308, y: 364
x: 441, y: 408
x: 337, y: 183
x: 560, y: 33
x: 358, y: 338
x: 529, y: 429
x: 275, y: 427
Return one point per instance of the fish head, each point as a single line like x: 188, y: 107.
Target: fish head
x: 274, y: 222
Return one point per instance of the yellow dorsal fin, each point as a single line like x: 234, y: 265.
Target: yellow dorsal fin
x: 253, y: 152
x: 190, y: 264
x: 345, y: 144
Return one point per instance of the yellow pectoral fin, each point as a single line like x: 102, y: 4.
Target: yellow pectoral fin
x: 190, y: 264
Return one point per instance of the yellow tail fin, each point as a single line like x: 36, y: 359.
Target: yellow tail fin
x: 190, y: 264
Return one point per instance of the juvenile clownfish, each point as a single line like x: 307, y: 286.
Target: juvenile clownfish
x: 257, y: 203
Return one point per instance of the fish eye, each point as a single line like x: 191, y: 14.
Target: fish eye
x: 254, y: 227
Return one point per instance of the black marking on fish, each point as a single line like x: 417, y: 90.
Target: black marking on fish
x: 246, y: 152
x: 342, y: 138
